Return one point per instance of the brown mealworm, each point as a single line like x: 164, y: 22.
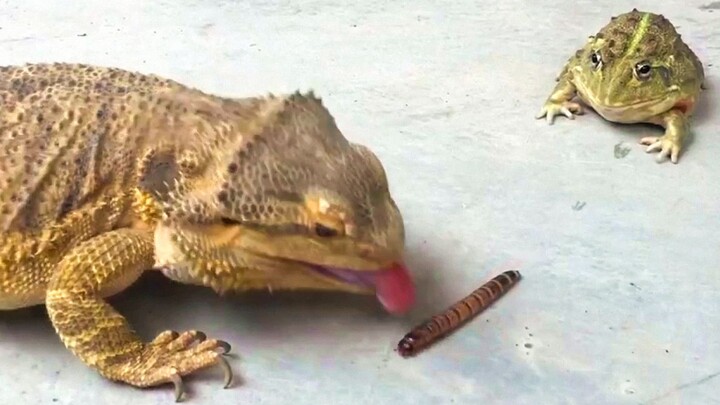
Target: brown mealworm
x: 457, y: 314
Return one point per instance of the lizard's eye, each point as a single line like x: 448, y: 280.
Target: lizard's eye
x: 229, y: 221
x: 596, y: 59
x: 642, y: 70
x: 325, y: 231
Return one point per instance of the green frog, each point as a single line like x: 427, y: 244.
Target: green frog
x: 636, y: 69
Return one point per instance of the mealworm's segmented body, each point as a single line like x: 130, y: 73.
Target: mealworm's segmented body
x: 452, y: 318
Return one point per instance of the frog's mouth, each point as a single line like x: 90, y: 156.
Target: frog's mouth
x: 637, y: 105
x: 630, y: 112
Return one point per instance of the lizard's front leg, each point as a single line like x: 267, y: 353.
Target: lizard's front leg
x: 559, y: 101
x: 101, y: 337
x: 677, y: 127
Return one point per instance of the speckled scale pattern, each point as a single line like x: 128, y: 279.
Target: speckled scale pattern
x: 64, y: 132
x: 48, y: 80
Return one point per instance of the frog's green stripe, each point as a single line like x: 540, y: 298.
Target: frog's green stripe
x: 639, y: 34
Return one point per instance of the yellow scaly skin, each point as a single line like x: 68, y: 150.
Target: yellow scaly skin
x: 105, y: 174
x: 635, y: 69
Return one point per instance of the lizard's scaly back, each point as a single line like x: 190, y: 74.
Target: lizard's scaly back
x: 71, y: 135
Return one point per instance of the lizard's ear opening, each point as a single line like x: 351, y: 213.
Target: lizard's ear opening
x: 158, y: 172
x: 162, y: 169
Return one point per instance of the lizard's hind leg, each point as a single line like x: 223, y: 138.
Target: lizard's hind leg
x: 100, y: 336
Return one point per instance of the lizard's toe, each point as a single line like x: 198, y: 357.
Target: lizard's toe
x: 172, y: 355
x: 182, y: 341
x: 165, y: 337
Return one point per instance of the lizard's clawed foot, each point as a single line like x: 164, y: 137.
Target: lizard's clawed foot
x: 668, y: 146
x: 172, y: 355
x: 554, y: 108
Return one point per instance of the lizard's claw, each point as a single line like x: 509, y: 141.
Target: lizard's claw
x: 179, y: 386
x: 668, y: 147
x: 554, y: 108
x: 172, y: 355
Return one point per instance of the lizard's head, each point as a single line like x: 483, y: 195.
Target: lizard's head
x: 282, y: 201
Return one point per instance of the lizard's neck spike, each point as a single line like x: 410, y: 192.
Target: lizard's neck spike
x: 300, y: 98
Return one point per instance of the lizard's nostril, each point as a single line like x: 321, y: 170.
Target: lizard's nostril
x: 366, y: 251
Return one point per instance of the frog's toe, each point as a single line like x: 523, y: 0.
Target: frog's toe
x: 652, y: 143
x: 667, y: 147
x: 552, y: 109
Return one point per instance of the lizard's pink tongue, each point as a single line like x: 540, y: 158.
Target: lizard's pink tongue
x: 395, y: 289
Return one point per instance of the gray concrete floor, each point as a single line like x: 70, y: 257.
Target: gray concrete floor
x: 621, y: 298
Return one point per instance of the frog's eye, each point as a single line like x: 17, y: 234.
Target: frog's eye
x: 596, y: 59
x: 642, y: 70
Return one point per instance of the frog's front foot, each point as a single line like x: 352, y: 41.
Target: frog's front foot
x: 553, y: 108
x: 669, y: 146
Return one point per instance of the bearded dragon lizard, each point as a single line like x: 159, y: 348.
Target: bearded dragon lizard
x: 107, y: 173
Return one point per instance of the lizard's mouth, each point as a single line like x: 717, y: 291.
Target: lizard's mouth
x: 393, y: 286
